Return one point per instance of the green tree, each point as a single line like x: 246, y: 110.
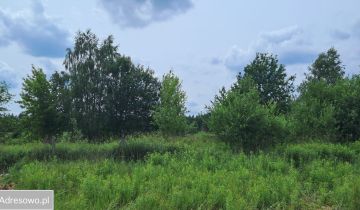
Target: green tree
x: 313, y: 112
x: 328, y: 112
x: 198, y: 122
x: 327, y: 67
x: 347, y: 109
x: 321, y: 109
x: 240, y: 119
x: 87, y: 86
x: 273, y: 84
x: 110, y: 95
x: 39, y: 104
x: 170, y: 114
x: 9, y: 127
x: 60, y: 89
x: 5, y: 96
x: 132, y: 93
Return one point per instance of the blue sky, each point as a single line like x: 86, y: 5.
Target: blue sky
x: 205, y: 42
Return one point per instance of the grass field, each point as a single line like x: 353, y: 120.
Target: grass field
x: 193, y: 172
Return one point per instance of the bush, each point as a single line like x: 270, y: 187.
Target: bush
x: 137, y: 149
x: 239, y: 118
x: 313, y: 120
x: 328, y: 111
x: 347, y: 114
x: 9, y: 127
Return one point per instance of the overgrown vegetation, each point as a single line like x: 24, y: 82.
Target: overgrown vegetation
x: 120, y: 138
x: 102, y: 94
x: 239, y: 118
x: 204, y: 174
x: 133, y: 149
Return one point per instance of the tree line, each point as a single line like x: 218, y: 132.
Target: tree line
x: 261, y: 109
x: 102, y: 93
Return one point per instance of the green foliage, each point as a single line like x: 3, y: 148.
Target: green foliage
x: 86, y: 83
x: 9, y: 127
x: 271, y: 81
x: 137, y: 150
x: 327, y: 67
x: 206, y: 174
x: 110, y: 95
x: 39, y: 103
x: 301, y: 154
x: 238, y: 117
x: 328, y: 111
x: 60, y: 89
x: 170, y: 114
x: 199, y: 122
x: 347, y: 109
x: 5, y: 96
x: 325, y: 107
x: 313, y: 112
x: 134, y: 149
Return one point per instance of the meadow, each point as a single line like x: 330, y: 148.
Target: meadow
x: 192, y: 172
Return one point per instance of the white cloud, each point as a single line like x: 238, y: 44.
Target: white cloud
x: 34, y: 32
x: 8, y: 75
x: 281, y: 36
x: 236, y: 58
x: 288, y: 43
x: 140, y: 13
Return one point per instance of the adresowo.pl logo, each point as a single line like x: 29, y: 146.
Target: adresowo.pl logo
x: 26, y: 199
x: 10, y: 200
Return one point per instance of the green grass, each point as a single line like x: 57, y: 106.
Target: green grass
x: 303, y: 153
x: 203, y: 174
x: 133, y: 149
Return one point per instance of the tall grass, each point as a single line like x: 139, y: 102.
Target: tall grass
x: 204, y: 174
x: 303, y: 153
x: 132, y: 149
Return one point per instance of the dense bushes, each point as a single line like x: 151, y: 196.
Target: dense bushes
x: 239, y: 118
x: 252, y: 113
x: 328, y: 105
x: 9, y: 127
x: 328, y: 111
x: 347, y: 105
x: 312, y: 113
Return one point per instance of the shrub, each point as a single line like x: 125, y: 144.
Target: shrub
x: 312, y: 113
x: 328, y: 111
x: 239, y: 118
x: 347, y: 114
x: 137, y: 149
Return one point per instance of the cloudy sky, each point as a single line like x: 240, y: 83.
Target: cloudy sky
x: 205, y: 42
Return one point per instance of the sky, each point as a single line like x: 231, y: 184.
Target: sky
x: 205, y: 42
